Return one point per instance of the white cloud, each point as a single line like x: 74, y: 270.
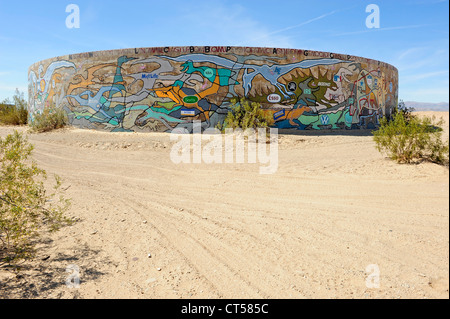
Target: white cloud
x: 218, y: 24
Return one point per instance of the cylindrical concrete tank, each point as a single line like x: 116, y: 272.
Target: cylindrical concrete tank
x: 162, y: 88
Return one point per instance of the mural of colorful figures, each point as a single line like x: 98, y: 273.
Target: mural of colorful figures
x: 162, y: 88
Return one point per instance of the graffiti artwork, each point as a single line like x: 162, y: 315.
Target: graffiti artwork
x: 159, y: 89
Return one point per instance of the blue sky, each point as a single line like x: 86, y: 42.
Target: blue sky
x: 413, y: 34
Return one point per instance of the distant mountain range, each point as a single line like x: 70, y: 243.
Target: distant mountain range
x: 421, y: 106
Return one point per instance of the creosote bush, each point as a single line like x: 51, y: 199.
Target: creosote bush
x: 26, y: 210
x: 405, y: 111
x: 49, y: 119
x: 410, y: 139
x: 245, y: 114
x: 16, y: 112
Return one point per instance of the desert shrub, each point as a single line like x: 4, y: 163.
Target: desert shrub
x: 245, y: 114
x: 49, y: 119
x: 26, y: 210
x: 406, y: 112
x: 16, y: 112
x: 409, y: 139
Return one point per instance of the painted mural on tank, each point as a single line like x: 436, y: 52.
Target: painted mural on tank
x: 159, y: 89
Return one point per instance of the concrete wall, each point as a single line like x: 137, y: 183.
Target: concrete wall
x: 158, y: 89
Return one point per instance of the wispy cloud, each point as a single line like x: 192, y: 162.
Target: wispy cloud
x: 386, y: 29
x: 408, y: 52
x: 422, y: 76
x: 421, y: 58
x: 297, y: 25
x: 240, y: 27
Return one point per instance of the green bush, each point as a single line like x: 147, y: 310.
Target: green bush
x: 413, y: 138
x: 49, y: 119
x: 245, y: 114
x: 25, y: 208
x: 15, y: 113
x: 401, y: 108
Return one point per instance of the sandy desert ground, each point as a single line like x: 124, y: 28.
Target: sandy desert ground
x: 334, y: 207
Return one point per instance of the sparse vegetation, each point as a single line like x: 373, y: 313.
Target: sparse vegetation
x: 407, y: 138
x: 401, y: 108
x: 49, y: 119
x: 245, y: 114
x: 15, y: 112
x: 26, y: 210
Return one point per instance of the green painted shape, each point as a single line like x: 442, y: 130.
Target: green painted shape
x: 88, y: 116
x: 156, y: 114
x: 178, y: 83
x: 118, y: 76
x: 333, y: 119
x: 163, y: 110
x: 309, y: 119
x: 209, y: 73
x: 155, y: 109
x: 348, y: 119
x: 190, y: 99
x: 113, y: 122
x: 167, y: 105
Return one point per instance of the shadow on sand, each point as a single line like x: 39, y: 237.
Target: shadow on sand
x: 46, y: 277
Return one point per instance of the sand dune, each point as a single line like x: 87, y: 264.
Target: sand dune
x: 334, y: 207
